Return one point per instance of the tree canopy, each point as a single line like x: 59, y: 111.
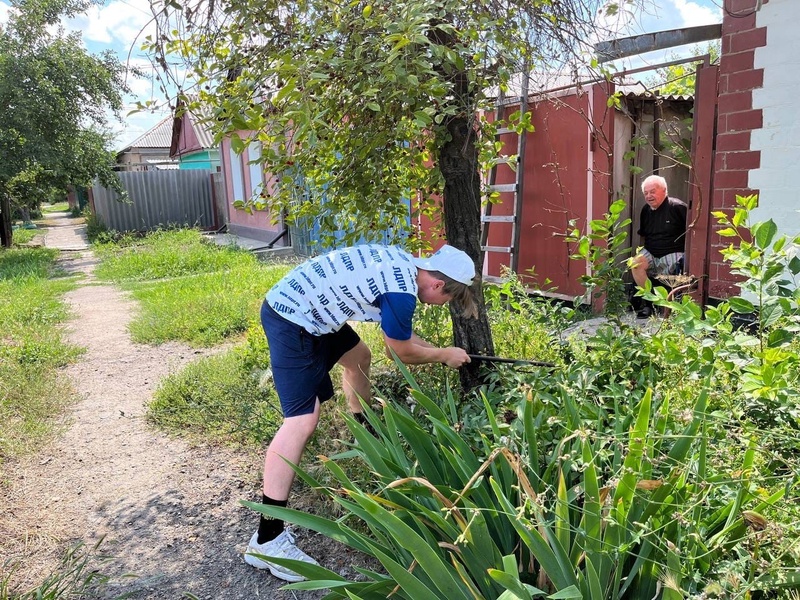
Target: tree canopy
x: 55, y: 100
x: 363, y: 106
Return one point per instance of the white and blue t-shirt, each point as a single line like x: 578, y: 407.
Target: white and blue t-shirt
x: 360, y: 283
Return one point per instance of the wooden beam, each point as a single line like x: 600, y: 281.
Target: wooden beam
x: 659, y: 40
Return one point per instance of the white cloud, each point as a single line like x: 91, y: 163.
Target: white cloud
x: 693, y: 14
x: 648, y: 16
x: 116, y: 23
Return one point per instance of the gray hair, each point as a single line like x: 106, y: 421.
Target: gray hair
x: 655, y: 179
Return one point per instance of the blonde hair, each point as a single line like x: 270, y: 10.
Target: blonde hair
x: 460, y: 293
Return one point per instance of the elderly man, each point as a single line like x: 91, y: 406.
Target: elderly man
x: 663, y: 230
x: 305, y: 319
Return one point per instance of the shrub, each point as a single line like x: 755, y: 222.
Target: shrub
x: 217, y: 398
x: 574, y: 511
x: 96, y: 230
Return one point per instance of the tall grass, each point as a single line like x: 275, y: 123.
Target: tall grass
x: 32, y: 395
x: 219, y: 399
x: 23, y: 236
x: 20, y: 263
x: 75, y: 577
x: 188, y: 289
x: 166, y: 254
x: 203, y: 310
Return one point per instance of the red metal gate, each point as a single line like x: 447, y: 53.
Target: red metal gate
x: 567, y: 176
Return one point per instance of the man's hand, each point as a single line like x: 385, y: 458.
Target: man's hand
x: 455, y: 357
x: 416, y: 351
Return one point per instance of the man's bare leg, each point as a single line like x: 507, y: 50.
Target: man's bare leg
x: 289, y: 443
x: 355, y: 379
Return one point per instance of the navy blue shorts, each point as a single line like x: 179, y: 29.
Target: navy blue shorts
x: 301, y: 362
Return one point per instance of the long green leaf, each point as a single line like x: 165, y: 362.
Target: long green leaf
x: 427, y: 557
x: 466, y: 454
x: 470, y: 580
x: 479, y: 553
x: 512, y: 584
x: 406, y: 373
x: 570, y: 593
x: 561, y: 513
x: 332, y: 529
x: 744, y: 491
x: 412, y: 587
x: 532, y: 443
x: 375, y: 452
x: 593, y: 580
x: 491, y: 417
x: 554, y: 561
x: 314, y: 573
x: 433, y: 409
x: 631, y: 466
x: 422, y: 448
x: 592, y: 517
x: 673, y: 591
x: 395, y: 443
x: 640, y: 565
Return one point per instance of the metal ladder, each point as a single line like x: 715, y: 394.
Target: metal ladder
x: 515, y: 188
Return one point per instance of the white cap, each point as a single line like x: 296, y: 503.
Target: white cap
x: 454, y: 263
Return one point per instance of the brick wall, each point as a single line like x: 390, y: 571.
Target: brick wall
x: 736, y: 119
x: 777, y: 139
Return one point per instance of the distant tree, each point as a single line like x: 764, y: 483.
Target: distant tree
x: 54, y: 101
x: 679, y: 80
x: 372, y: 102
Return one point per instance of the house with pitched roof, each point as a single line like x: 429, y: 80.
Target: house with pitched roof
x: 192, y: 143
x: 150, y: 151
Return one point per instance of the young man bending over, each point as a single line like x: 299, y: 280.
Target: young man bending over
x: 305, y: 319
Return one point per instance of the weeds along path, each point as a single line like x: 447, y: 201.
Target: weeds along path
x: 167, y: 512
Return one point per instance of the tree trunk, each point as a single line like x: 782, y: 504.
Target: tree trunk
x: 458, y: 162
x: 5, y: 220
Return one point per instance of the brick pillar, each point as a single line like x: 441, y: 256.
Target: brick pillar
x: 736, y: 118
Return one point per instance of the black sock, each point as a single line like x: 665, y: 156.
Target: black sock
x: 268, y: 528
x: 362, y: 420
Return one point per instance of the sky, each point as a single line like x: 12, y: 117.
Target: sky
x: 121, y: 26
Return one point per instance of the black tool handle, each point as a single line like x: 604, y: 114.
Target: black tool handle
x: 497, y: 359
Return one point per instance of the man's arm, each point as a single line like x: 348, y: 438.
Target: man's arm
x: 416, y: 351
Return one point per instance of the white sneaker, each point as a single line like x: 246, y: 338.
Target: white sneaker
x: 281, y: 547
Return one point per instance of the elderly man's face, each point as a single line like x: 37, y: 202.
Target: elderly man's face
x: 654, y: 194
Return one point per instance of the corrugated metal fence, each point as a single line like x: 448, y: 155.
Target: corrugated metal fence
x: 158, y: 199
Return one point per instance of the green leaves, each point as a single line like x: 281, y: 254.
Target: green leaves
x: 764, y: 232
x: 741, y: 305
x: 602, y: 248
x: 57, y: 99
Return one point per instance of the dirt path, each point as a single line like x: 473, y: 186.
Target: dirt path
x: 167, y: 512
